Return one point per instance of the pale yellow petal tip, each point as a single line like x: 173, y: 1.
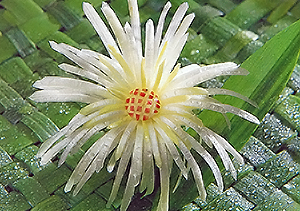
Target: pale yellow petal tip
x: 68, y: 186
x: 53, y: 45
x: 86, y: 4
x: 104, y: 4
x: 256, y: 121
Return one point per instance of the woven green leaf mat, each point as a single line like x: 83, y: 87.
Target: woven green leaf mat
x: 223, y: 30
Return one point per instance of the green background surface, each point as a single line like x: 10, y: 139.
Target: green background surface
x: 223, y: 30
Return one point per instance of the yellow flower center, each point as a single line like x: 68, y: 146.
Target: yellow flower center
x: 142, y: 104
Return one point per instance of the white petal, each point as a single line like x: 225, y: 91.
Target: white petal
x: 114, y: 70
x: 46, y: 145
x: 120, y: 172
x: 204, y: 102
x: 135, y: 169
x: 131, y: 55
x: 95, y: 107
x: 147, y: 181
x: 76, y: 56
x: 102, y: 70
x: 115, y: 26
x: 184, y: 91
x: 176, y: 44
x: 47, y: 156
x: 154, y: 144
x: 124, y: 138
x: 160, y: 26
x: 163, y: 203
x: 185, y: 24
x: 105, y: 122
x: 111, y: 163
x: 227, y: 146
x: 241, y: 113
x: 81, y: 72
x: 209, y: 160
x: 137, y: 155
x: 74, y: 138
x: 104, y: 153
x: 221, y: 151
x: 84, y: 87
x: 175, y: 22
x: 200, y: 150
x: 171, y: 56
x: 196, y: 124
x: 74, y: 124
x: 60, y: 89
x: 61, y: 96
x: 100, y: 148
x: 192, y: 75
x: 173, y: 151
x: 87, y: 136
x: 99, y: 26
x: 103, y: 118
x: 195, y: 169
x: 135, y: 23
x: 149, y: 52
x: 87, y: 165
x: 87, y: 174
x: 217, y: 91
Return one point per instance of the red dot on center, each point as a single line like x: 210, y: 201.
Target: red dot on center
x: 142, y: 104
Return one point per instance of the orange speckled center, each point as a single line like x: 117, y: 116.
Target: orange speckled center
x: 142, y: 104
